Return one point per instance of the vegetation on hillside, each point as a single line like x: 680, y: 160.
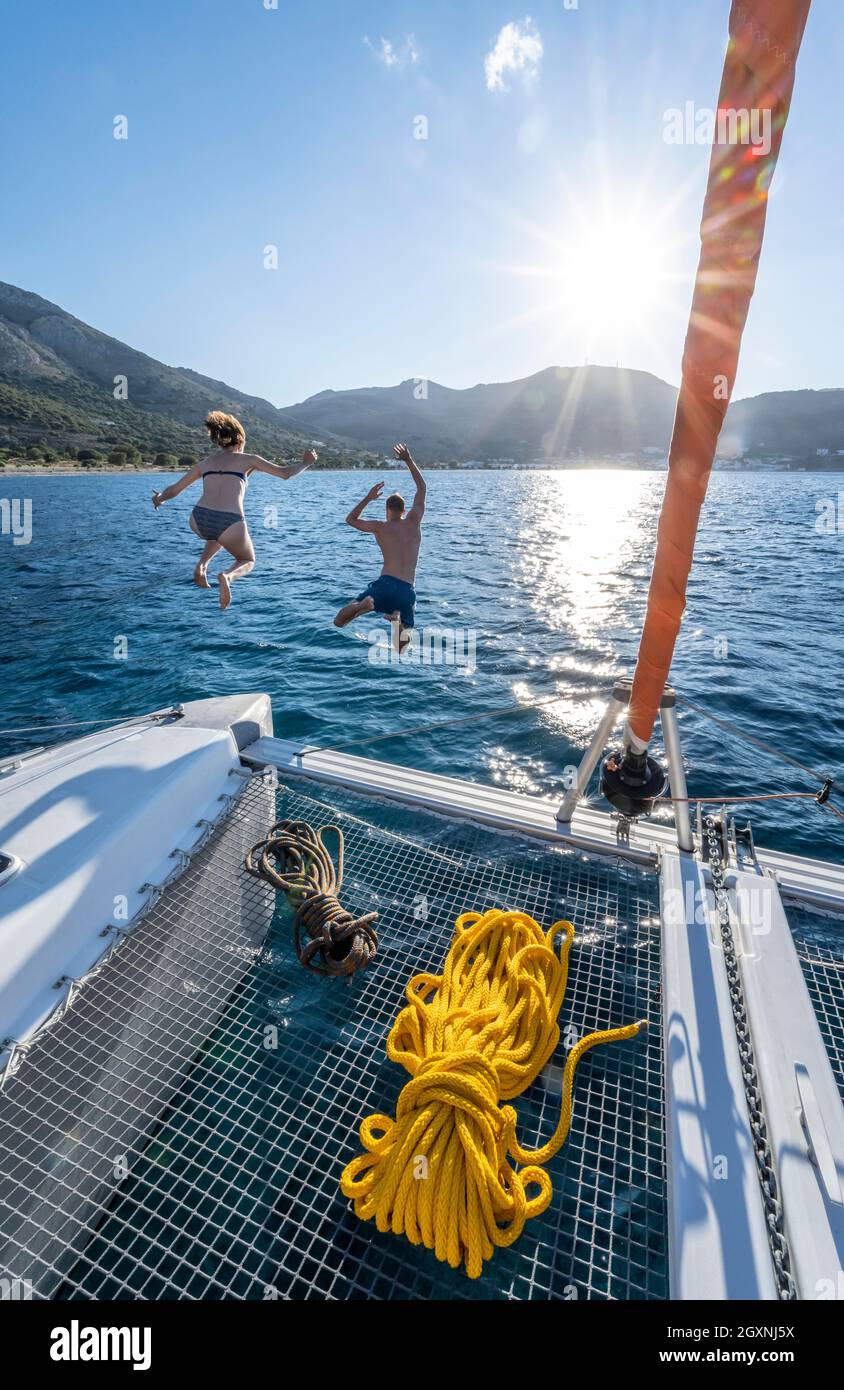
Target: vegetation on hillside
x: 69, y: 393
x: 75, y: 422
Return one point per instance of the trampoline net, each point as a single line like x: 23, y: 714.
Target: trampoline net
x: 230, y: 1187
x: 819, y: 940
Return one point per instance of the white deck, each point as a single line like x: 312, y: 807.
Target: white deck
x: 718, y: 1243
x: 810, y: 880
x: 803, y: 1109
x: 717, y: 1234
x: 93, y: 824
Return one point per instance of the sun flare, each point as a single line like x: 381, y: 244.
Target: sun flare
x: 608, y: 277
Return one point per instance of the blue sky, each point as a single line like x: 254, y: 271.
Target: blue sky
x: 456, y: 258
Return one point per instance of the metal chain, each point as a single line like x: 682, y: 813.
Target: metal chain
x: 780, y: 1254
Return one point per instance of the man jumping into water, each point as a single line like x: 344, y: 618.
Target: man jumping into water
x: 399, y: 539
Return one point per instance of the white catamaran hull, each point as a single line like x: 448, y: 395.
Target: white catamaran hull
x: 100, y: 827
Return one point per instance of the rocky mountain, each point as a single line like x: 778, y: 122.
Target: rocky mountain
x: 57, y: 389
x: 790, y: 423
x: 596, y: 410
x: 590, y: 411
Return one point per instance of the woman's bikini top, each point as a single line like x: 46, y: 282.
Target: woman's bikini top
x: 225, y: 498
x: 225, y: 473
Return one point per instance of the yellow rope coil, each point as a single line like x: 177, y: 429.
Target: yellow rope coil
x: 440, y: 1173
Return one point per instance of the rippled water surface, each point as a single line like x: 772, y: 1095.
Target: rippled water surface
x: 549, y: 573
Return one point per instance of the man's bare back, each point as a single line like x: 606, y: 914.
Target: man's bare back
x: 399, y: 542
x: 399, y: 539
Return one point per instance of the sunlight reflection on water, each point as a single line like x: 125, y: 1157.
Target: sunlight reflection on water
x: 548, y: 570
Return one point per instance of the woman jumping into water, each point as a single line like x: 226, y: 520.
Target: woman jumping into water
x: 218, y: 517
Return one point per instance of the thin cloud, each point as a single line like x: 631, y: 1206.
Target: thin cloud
x: 391, y: 56
x: 518, y: 49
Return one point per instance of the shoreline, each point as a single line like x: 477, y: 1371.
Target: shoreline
x: 68, y: 471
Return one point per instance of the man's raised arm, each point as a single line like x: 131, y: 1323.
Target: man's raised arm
x: 417, y: 511
x: 355, y: 515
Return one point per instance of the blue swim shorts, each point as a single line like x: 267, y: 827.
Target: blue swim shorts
x: 392, y: 596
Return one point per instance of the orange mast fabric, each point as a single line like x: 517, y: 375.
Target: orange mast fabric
x: 756, y: 87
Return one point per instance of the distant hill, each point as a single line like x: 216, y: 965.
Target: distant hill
x: 598, y: 410
x: 57, y: 390
x: 591, y: 411
x: 794, y: 423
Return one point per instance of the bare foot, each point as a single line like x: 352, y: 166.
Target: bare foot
x: 200, y: 578
x: 353, y: 610
x: 225, y: 590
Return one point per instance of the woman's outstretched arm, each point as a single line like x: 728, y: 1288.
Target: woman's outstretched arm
x: 277, y: 471
x: 193, y: 475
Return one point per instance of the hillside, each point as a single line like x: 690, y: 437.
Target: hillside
x: 57, y: 384
x: 591, y: 412
x: 793, y: 423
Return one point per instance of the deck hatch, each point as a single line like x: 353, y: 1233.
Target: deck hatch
x: 9, y: 865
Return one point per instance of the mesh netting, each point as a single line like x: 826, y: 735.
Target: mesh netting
x: 180, y: 1132
x: 820, y: 946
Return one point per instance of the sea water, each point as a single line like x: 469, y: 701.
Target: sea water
x: 529, y: 584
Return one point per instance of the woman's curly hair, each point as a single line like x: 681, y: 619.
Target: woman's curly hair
x: 225, y: 430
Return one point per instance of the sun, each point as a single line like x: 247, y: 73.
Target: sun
x: 605, y: 279
x: 609, y: 279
